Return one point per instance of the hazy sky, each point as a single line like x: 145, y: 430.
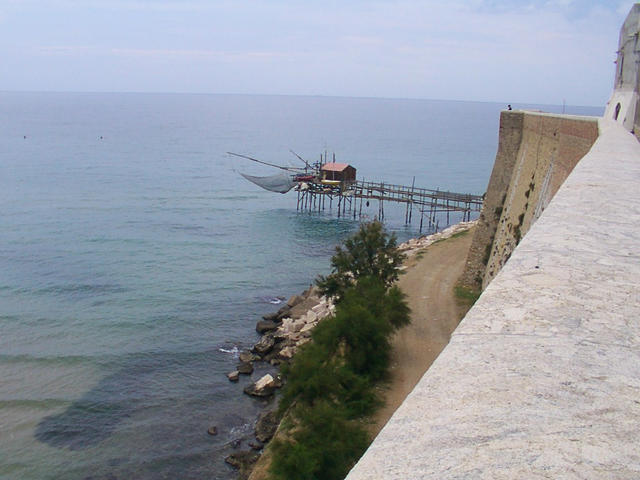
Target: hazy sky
x: 537, y: 51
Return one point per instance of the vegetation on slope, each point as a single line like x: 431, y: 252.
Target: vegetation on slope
x: 330, y: 383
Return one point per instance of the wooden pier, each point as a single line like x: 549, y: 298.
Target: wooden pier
x: 350, y: 197
x: 324, y: 182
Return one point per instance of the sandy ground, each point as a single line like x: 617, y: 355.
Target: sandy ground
x: 435, y: 313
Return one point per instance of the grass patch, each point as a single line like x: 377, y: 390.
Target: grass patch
x: 461, y: 233
x: 466, y: 295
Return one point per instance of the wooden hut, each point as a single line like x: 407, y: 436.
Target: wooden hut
x: 338, y: 172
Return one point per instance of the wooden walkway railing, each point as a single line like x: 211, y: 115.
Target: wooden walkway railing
x: 428, y: 202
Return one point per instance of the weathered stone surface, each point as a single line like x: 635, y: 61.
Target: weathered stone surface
x: 286, y: 326
x: 287, y: 353
x: 245, y: 368
x: 233, y: 376
x: 311, y: 317
x: 264, y: 345
x: 271, y: 317
x: 294, y: 300
x: 264, y: 387
x: 242, y: 460
x: 256, y: 445
x: 540, y: 380
x: 283, y: 312
x: 297, y: 326
x: 312, y: 291
x: 265, y: 326
x: 246, y: 356
x: 277, y: 381
x: 266, y: 425
x: 307, y: 328
x: 303, y: 307
x: 536, y: 153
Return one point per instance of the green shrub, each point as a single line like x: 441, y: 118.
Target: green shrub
x: 330, y: 382
x: 370, y: 252
x: 323, y: 445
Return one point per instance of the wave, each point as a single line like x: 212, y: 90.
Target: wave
x: 273, y: 300
x: 233, y: 350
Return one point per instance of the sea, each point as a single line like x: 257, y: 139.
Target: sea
x: 135, y: 260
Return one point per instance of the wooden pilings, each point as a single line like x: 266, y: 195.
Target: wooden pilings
x: 430, y: 203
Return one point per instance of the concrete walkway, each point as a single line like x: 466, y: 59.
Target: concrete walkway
x: 542, y: 377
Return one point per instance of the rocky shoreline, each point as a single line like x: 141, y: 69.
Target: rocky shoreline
x: 283, y: 332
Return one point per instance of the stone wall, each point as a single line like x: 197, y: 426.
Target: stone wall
x: 623, y: 108
x: 540, y: 380
x: 536, y: 153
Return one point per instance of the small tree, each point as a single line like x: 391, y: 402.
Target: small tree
x: 371, y: 252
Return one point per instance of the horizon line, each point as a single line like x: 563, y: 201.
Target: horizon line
x: 135, y: 92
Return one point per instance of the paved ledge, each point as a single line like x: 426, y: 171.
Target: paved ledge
x: 542, y: 377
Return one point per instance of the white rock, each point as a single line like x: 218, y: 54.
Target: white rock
x: 287, y: 352
x: 264, y: 382
x: 307, y: 328
x: 287, y: 325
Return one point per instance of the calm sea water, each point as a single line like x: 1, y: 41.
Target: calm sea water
x: 135, y: 261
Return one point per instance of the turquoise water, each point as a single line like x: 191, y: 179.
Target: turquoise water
x: 135, y: 261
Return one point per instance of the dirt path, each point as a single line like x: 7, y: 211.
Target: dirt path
x: 435, y: 313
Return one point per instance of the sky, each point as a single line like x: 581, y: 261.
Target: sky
x: 529, y: 51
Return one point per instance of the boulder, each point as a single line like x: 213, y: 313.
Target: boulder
x: 303, y: 307
x: 287, y: 353
x: 233, y: 376
x: 266, y: 426
x: 278, y: 381
x: 256, y: 445
x: 264, y: 345
x: 287, y: 325
x: 294, y: 300
x: 270, y: 317
x: 245, y: 368
x: 242, y: 460
x: 293, y: 338
x: 246, y: 356
x: 266, y: 326
x: 307, y: 328
x: 262, y: 388
x: 320, y: 307
x: 283, y: 312
x: 280, y: 335
x: 313, y: 291
x: 297, y: 325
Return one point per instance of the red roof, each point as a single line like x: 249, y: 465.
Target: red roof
x: 334, y: 167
